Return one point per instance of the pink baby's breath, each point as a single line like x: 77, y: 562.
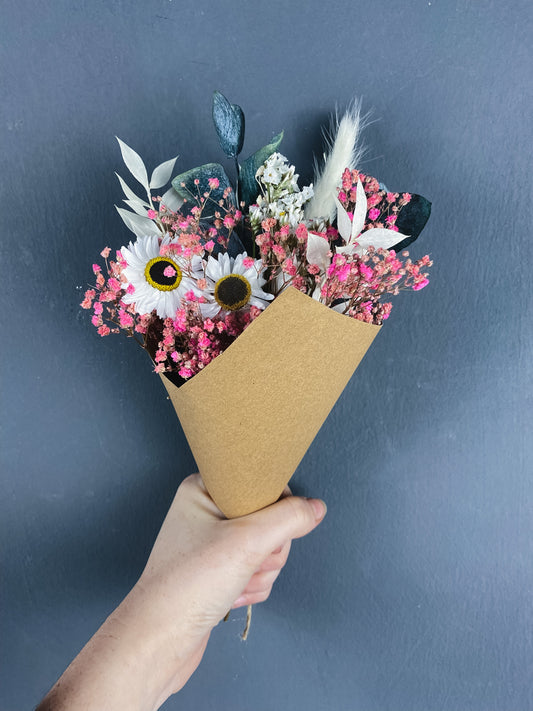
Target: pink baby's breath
x: 420, y: 284
x: 169, y: 271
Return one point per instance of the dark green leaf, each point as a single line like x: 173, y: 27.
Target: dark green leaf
x: 412, y: 219
x: 229, y: 123
x: 191, y: 192
x: 249, y: 189
x: 235, y: 246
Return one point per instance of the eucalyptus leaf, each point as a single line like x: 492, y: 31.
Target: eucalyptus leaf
x: 249, y: 188
x: 203, y: 173
x: 128, y: 192
x: 235, y: 246
x: 171, y: 200
x: 140, y: 226
x: 229, y: 124
x: 162, y: 173
x: 412, y: 219
x: 134, y: 163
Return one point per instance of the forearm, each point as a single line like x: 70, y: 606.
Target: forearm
x: 201, y: 566
x: 132, y: 662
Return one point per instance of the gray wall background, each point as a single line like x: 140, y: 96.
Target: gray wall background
x: 415, y: 594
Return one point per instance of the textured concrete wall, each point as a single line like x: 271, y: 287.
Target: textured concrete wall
x: 415, y: 594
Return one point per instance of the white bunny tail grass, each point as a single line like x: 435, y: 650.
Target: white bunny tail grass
x: 343, y: 150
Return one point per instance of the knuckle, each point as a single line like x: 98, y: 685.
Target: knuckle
x: 191, y: 480
x: 299, y: 511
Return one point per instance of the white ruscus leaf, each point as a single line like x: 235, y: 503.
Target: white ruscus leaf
x: 161, y: 174
x: 318, y: 251
x: 140, y: 226
x: 137, y: 207
x: 359, y: 213
x: 344, y: 224
x: 172, y: 200
x: 134, y: 164
x: 378, y: 237
x: 128, y: 192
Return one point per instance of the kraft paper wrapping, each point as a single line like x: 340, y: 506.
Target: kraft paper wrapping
x: 251, y: 415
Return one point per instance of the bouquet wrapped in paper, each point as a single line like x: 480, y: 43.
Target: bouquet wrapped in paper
x: 257, y: 301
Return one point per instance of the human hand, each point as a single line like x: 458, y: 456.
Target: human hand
x: 201, y: 565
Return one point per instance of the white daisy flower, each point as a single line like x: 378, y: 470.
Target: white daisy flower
x: 159, y: 282
x: 230, y: 285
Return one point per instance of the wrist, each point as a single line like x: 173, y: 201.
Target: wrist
x: 158, y: 645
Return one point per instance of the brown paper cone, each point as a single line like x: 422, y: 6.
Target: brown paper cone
x: 251, y: 415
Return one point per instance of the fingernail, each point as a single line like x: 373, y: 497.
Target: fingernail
x: 319, y: 508
x: 239, y: 601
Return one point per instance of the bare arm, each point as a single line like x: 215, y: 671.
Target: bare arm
x: 201, y: 566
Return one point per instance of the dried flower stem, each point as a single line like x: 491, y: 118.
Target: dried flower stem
x: 244, y: 635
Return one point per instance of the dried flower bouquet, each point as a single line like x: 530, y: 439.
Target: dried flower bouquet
x: 260, y: 291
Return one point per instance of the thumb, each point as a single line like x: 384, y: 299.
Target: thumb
x: 291, y: 517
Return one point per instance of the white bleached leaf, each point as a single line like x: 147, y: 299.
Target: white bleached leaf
x: 140, y: 226
x: 349, y: 229
x: 378, y: 237
x: 317, y: 251
x: 358, y: 221
x: 162, y: 173
x: 137, y: 207
x: 134, y: 163
x: 339, y: 307
x: 172, y: 200
x: 128, y: 192
x: 344, y: 224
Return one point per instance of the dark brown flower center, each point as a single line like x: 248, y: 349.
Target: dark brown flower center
x: 232, y: 292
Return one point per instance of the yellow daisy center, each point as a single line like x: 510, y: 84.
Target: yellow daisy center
x: 163, y: 274
x: 232, y: 292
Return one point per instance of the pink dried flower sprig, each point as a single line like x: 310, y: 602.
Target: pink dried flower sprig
x: 183, y: 345
x: 110, y: 315
x: 357, y: 284
x: 189, y: 231
x: 187, y: 343
x: 282, y: 250
x: 354, y: 284
x: 383, y: 206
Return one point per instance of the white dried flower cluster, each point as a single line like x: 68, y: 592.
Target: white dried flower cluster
x: 281, y: 197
